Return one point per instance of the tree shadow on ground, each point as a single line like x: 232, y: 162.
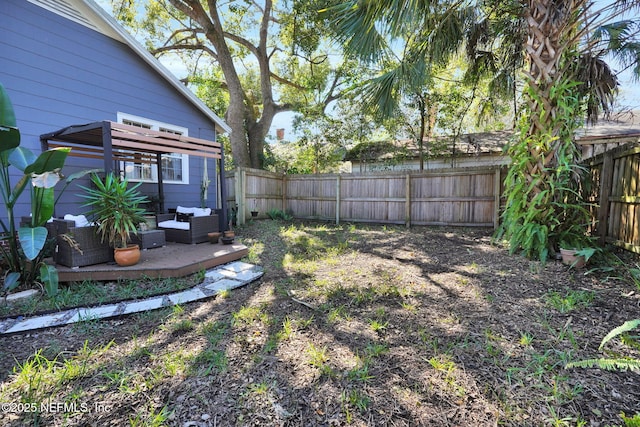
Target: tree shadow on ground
x: 357, y: 325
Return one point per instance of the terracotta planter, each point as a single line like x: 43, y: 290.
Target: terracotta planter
x: 229, y: 233
x: 127, y: 256
x: 570, y: 258
x: 213, y: 237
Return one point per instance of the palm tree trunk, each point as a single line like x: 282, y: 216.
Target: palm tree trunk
x: 541, y: 197
x: 547, y: 20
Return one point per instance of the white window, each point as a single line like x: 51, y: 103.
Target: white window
x: 175, y: 167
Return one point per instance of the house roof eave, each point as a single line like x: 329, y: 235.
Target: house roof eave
x: 221, y: 126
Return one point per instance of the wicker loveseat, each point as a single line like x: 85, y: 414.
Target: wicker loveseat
x: 93, y: 250
x: 188, y: 225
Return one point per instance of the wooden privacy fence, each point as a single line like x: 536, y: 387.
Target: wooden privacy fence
x: 453, y: 197
x: 616, y: 196
x: 462, y: 197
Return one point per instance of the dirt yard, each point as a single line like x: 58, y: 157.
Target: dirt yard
x: 350, y: 325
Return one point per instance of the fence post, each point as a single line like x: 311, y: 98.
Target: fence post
x: 496, y: 198
x: 238, y: 196
x: 284, y: 192
x: 338, y: 182
x: 606, y: 181
x: 407, y: 203
x: 242, y: 209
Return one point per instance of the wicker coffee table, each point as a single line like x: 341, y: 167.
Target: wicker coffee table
x: 149, y: 239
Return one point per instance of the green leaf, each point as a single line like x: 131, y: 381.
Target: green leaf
x: 21, y: 157
x: 9, y: 138
x: 76, y: 175
x: 32, y: 240
x: 49, y: 277
x: 42, y: 211
x: 11, y: 281
x: 7, y: 115
x: 9, y: 133
x: 17, y: 190
x: 48, y: 161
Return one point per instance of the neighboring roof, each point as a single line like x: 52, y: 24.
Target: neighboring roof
x: 618, y: 127
x: 91, y: 15
x: 473, y: 144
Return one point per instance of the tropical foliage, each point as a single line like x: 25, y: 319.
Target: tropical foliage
x: 566, y: 81
x: 115, y: 207
x: 22, y: 248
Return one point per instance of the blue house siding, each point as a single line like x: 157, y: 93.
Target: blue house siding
x: 60, y: 73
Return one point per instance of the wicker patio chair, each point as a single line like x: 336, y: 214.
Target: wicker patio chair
x: 87, y: 240
x: 199, y: 226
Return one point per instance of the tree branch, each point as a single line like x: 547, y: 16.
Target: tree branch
x: 160, y: 50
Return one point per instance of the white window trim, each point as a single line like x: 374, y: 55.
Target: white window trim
x: 157, y: 125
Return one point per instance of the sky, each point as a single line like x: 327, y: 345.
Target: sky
x: 629, y: 90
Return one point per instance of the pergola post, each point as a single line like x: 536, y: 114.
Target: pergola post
x: 160, y: 184
x: 107, y: 146
x: 223, y: 193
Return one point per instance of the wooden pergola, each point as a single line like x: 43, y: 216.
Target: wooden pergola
x: 115, y: 142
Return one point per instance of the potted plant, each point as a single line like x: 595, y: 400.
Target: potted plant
x: 229, y: 233
x: 116, y: 210
x: 576, y: 249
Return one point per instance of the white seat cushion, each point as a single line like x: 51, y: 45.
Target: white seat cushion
x: 172, y: 223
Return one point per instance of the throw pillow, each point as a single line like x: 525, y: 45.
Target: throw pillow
x: 182, y: 209
x: 80, y: 220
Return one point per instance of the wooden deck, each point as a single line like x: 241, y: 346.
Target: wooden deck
x: 172, y: 260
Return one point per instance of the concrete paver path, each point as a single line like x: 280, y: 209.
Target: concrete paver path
x: 224, y: 277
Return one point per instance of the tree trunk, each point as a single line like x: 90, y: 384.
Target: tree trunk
x: 247, y: 132
x: 422, y: 109
x: 256, y: 134
x: 543, y: 201
x: 546, y: 20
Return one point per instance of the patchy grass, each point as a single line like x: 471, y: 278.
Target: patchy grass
x: 350, y: 325
x: 90, y: 293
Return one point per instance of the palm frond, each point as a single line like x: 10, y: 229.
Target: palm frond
x: 357, y: 29
x: 599, y: 85
x: 621, y: 40
x: 607, y: 364
x: 627, y: 326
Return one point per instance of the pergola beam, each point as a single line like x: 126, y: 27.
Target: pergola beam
x: 116, y: 142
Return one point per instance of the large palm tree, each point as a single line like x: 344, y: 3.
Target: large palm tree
x: 566, y: 82
x: 557, y: 46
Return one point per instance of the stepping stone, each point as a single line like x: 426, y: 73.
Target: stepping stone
x: 224, y: 285
x: 237, y: 266
x: 186, y: 296
x: 33, y: 323
x: 95, y: 313
x: 149, y: 304
x: 222, y: 278
x: 242, y: 276
x: 214, y: 275
x: 22, y: 295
